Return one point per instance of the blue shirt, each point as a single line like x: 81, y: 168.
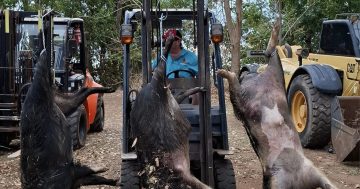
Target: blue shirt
x: 187, y: 60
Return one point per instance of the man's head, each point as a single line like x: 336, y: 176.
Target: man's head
x: 176, y: 46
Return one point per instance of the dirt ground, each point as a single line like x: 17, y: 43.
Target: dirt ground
x: 104, y: 149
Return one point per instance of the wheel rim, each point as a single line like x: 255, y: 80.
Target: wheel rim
x: 299, y: 111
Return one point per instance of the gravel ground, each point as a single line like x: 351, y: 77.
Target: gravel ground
x: 104, y: 149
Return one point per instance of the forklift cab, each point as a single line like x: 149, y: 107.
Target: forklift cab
x: 208, y: 139
x: 70, y: 53
x: 69, y: 58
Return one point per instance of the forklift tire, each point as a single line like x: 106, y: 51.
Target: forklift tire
x: 98, y: 124
x: 224, y: 174
x: 77, y: 122
x: 129, y: 175
x: 311, y: 112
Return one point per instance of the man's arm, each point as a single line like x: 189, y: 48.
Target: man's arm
x: 193, y: 63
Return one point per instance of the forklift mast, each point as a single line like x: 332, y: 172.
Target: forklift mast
x: 20, y: 48
x: 209, y: 136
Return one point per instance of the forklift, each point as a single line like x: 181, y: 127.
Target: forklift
x: 209, y: 138
x: 19, y: 32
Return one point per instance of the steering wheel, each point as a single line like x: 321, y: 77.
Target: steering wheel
x: 176, y: 73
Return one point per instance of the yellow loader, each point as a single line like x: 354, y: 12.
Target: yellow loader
x: 323, y: 88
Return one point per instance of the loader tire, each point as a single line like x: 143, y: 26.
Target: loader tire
x: 311, y: 112
x: 99, y: 121
x: 77, y: 122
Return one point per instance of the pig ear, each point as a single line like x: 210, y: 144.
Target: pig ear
x: 274, y: 38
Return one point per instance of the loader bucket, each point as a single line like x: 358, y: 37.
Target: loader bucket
x: 345, y: 127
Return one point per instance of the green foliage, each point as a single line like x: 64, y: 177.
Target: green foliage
x: 301, y: 23
x: 175, y: 3
x: 303, y: 18
x: 101, y: 28
x: 256, y: 30
x: 7, y: 4
x: 301, y: 26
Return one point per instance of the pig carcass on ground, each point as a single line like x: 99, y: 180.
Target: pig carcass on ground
x: 161, y: 133
x: 259, y: 101
x: 46, y: 145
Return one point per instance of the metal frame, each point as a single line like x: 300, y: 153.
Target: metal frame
x: 203, y: 19
x: 9, y: 121
x: 11, y: 91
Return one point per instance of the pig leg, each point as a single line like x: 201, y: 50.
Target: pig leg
x: 230, y: 76
x: 192, y: 181
x: 94, y: 180
x: 69, y: 103
x: 182, y: 95
x: 81, y: 170
x: 181, y: 166
x: 85, y: 176
x: 234, y: 88
x: 273, y: 41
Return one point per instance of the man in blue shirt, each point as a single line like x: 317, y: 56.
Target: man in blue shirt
x: 179, y: 58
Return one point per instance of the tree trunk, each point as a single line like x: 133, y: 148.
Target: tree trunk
x: 119, y: 11
x: 102, y: 55
x: 235, y: 33
x: 308, y: 37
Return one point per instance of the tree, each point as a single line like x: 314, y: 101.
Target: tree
x: 256, y: 29
x: 234, y: 28
x: 302, y: 18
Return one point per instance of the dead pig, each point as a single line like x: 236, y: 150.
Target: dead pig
x: 265, y: 115
x: 161, y: 134
x: 46, y: 147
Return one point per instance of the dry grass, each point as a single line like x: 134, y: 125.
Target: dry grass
x: 135, y: 80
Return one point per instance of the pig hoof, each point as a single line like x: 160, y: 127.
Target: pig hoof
x: 226, y: 74
x: 221, y: 72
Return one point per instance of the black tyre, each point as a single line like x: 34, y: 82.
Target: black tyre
x: 78, y: 122
x: 129, y: 175
x: 311, y: 112
x: 224, y: 174
x: 99, y: 121
x: 6, y: 138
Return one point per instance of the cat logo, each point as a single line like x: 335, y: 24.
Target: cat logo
x: 351, y: 68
